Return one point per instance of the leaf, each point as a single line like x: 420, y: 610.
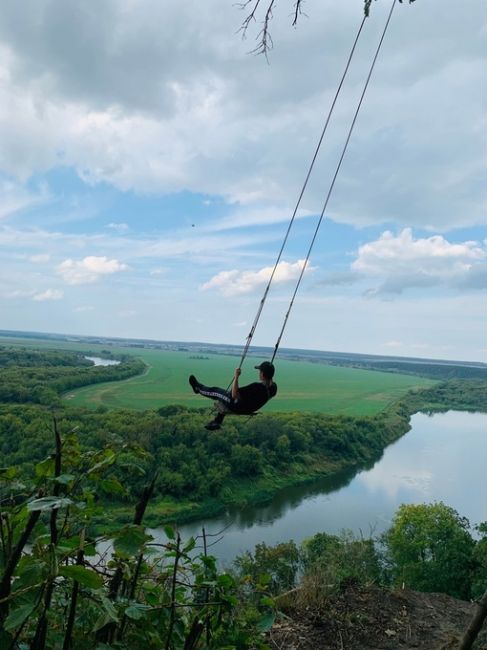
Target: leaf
x: 109, y: 608
x: 48, y: 503
x: 112, y: 486
x: 29, y: 571
x: 169, y: 530
x: 7, y: 473
x: 45, y: 468
x: 71, y: 546
x: 225, y: 580
x: 190, y: 544
x: 130, y: 540
x: 136, y: 611
x: 264, y: 579
x: 230, y: 600
x: 133, y: 467
x: 266, y: 622
x: 63, y: 479
x: 82, y: 575
x: 209, y: 561
x: 18, y: 616
x: 101, y: 621
x: 152, y: 599
x: 108, y: 460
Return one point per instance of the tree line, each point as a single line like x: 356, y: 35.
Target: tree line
x: 40, y: 377
x: 192, y: 462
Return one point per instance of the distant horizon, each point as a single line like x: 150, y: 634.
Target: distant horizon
x: 65, y: 335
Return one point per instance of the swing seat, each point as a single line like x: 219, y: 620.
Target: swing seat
x: 222, y: 408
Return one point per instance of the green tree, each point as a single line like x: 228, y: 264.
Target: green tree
x: 275, y: 565
x: 480, y: 554
x: 246, y: 460
x: 431, y: 549
x: 56, y: 591
x: 341, y: 559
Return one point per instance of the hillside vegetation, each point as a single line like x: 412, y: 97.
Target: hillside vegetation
x: 198, y: 473
x: 71, y: 475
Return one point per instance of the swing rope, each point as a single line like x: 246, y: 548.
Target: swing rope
x: 332, y: 184
x: 298, y: 203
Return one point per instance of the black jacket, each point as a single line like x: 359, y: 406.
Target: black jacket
x: 253, y: 396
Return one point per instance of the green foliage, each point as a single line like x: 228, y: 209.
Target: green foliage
x: 431, y: 549
x: 461, y: 395
x: 479, y: 584
x: 341, y: 560
x: 192, y: 462
x: 57, y: 592
x: 276, y: 567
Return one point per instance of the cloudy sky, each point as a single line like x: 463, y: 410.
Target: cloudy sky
x: 149, y: 166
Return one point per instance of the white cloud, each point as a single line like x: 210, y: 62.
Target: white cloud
x: 89, y: 269
x: 251, y: 217
x: 232, y: 283
x: 41, y: 258
x: 14, y: 197
x: 49, y: 294
x: 231, y: 125
x: 18, y: 293
x: 200, y: 247
x: 400, y: 262
x: 83, y: 308
x: 119, y: 227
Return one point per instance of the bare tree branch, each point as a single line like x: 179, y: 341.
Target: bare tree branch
x: 298, y: 11
x: 257, y: 14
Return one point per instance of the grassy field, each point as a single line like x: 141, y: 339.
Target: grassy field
x: 303, y: 386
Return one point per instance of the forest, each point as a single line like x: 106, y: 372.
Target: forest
x: 40, y: 377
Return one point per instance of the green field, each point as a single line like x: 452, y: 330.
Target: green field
x: 303, y: 386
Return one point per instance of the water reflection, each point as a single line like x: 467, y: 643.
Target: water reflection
x: 288, y: 500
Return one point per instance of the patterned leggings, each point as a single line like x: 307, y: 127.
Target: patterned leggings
x: 223, y: 397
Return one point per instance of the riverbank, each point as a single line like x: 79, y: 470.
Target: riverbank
x: 257, y: 491
x: 238, y: 494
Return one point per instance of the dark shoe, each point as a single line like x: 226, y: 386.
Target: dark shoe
x: 195, y: 385
x: 213, y: 425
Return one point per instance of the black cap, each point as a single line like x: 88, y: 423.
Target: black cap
x: 267, y: 369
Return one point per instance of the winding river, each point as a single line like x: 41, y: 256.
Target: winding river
x: 442, y: 458
x: 98, y: 361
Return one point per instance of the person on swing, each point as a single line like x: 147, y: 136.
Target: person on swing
x: 240, y: 400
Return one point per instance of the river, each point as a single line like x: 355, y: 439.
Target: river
x: 442, y: 458
x: 98, y: 361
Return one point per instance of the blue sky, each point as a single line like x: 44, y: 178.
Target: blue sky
x: 150, y: 165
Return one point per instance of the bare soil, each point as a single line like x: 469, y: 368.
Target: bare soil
x: 375, y: 619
